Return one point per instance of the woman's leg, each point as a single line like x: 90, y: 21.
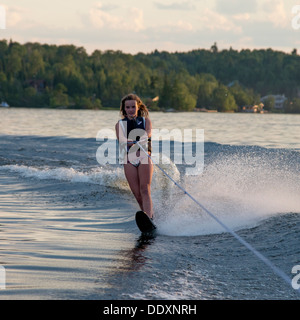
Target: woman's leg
x: 132, y: 176
x: 145, y: 172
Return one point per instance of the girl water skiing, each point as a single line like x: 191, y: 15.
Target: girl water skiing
x: 135, y: 126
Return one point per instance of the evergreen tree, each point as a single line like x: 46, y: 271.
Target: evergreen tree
x: 48, y: 75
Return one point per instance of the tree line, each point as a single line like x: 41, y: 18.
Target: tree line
x: 42, y: 75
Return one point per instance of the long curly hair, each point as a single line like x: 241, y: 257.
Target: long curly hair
x: 142, y: 109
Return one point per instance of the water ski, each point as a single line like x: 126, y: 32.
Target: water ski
x: 144, y: 223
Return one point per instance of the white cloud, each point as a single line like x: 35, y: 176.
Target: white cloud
x: 183, y: 5
x: 14, y: 15
x: 100, y: 18
x: 132, y: 19
x: 214, y: 21
x: 171, y: 28
x: 138, y: 19
x: 242, y: 17
x: 110, y: 23
x: 275, y: 12
x: 183, y: 25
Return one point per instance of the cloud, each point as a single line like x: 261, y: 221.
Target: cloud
x: 214, y: 21
x: 183, y: 25
x: 275, y: 12
x: 242, y: 17
x: 15, y: 15
x: 101, y: 18
x: 119, y: 26
x: 233, y: 7
x: 132, y: 19
x: 184, y: 5
x: 109, y: 7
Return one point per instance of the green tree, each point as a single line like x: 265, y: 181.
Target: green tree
x: 293, y: 106
x: 181, y: 98
x: 214, y: 48
x: 207, y: 84
x: 223, y: 100
x: 241, y: 96
x: 34, y: 65
x: 59, y: 97
x: 269, y: 103
x: 165, y: 99
x: 177, y: 78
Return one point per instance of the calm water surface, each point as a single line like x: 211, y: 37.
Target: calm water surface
x: 268, y: 130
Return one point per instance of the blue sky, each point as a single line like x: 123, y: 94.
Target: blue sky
x: 143, y: 26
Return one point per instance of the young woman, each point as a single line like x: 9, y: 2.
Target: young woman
x: 135, y: 126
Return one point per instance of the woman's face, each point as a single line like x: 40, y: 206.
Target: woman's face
x: 131, y: 109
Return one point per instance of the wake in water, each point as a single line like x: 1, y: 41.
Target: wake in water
x: 240, y: 188
x: 240, y: 185
x: 101, y: 176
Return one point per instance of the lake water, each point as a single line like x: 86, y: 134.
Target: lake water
x: 67, y: 224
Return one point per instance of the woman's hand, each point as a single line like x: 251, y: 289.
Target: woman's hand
x: 144, y: 138
x: 130, y: 142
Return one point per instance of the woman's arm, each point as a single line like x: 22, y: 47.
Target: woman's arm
x: 120, y: 134
x: 117, y: 127
x: 148, y: 127
x: 121, y: 137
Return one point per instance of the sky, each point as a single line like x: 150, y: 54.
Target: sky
x: 144, y: 26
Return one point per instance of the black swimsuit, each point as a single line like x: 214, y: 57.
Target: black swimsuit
x: 137, y: 123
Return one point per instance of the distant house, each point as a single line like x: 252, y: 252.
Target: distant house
x: 279, y: 100
x: 253, y: 109
x: 38, y: 84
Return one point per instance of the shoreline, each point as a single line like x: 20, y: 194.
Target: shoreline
x: 152, y: 111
